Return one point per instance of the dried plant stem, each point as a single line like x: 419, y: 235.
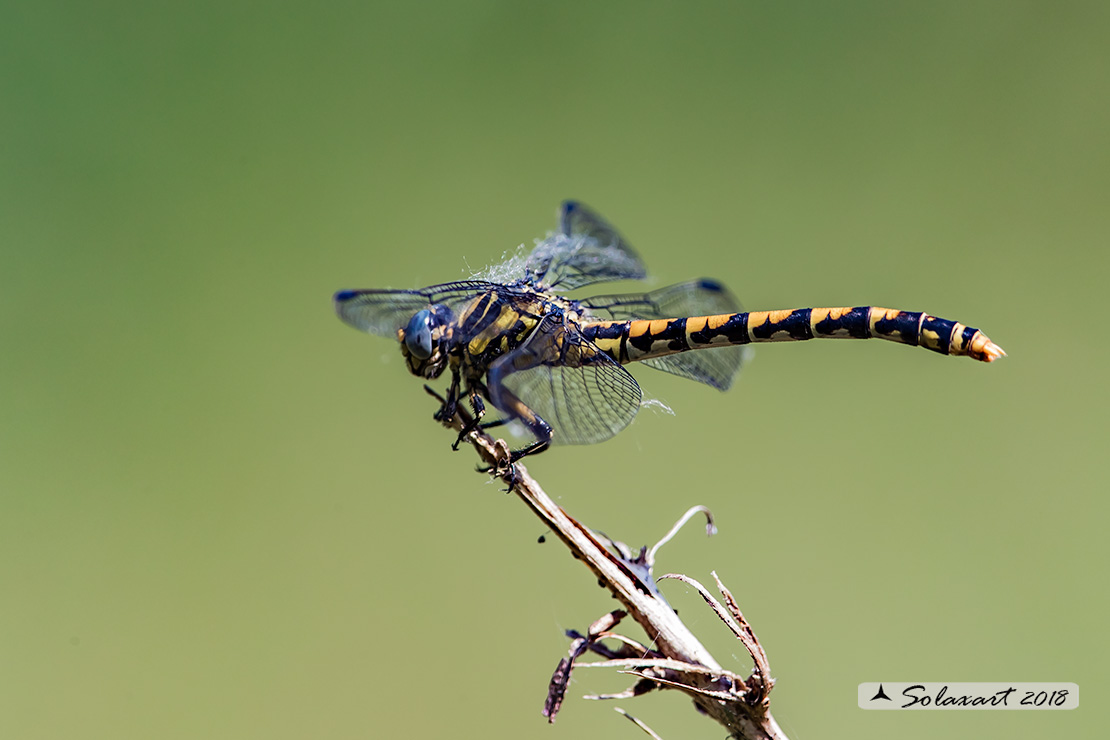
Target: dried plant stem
x: 677, y: 659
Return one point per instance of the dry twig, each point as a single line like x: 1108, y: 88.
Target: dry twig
x: 677, y: 659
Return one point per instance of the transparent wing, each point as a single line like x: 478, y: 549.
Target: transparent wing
x: 579, y: 390
x: 383, y: 312
x: 586, y: 250
x: 718, y: 366
x: 702, y: 297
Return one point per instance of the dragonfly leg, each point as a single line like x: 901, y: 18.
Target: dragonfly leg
x: 451, y: 403
x: 533, y: 449
x: 475, y: 422
x: 515, y: 409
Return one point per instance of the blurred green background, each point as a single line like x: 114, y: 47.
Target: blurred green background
x: 224, y: 514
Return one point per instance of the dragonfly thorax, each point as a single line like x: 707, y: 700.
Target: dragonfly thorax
x: 423, y: 341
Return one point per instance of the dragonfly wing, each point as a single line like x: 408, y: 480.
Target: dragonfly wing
x: 383, y: 312
x: 579, y: 390
x: 702, y: 297
x: 585, y: 250
x: 717, y: 367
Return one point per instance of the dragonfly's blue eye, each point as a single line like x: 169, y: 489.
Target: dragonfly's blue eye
x: 418, y: 335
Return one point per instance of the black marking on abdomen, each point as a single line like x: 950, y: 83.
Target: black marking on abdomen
x: 900, y: 328
x: 674, y: 334
x: 855, y: 322
x: 968, y: 334
x: 604, y: 331
x: 736, y: 329
x: 795, y: 325
x: 605, y: 334
x: 943, y: 329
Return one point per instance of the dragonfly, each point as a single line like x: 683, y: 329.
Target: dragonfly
x: 510, y: 337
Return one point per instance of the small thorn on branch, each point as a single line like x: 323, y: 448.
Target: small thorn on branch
x: 638, y: 723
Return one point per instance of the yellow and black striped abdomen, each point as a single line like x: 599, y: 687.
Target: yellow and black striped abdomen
x: 631, y: 341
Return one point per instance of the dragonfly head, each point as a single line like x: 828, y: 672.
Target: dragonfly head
x: 423, y: 340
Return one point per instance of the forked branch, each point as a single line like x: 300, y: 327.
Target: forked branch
x: 675, y: 658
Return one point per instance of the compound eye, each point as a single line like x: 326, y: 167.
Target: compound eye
x: 418, y: 335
